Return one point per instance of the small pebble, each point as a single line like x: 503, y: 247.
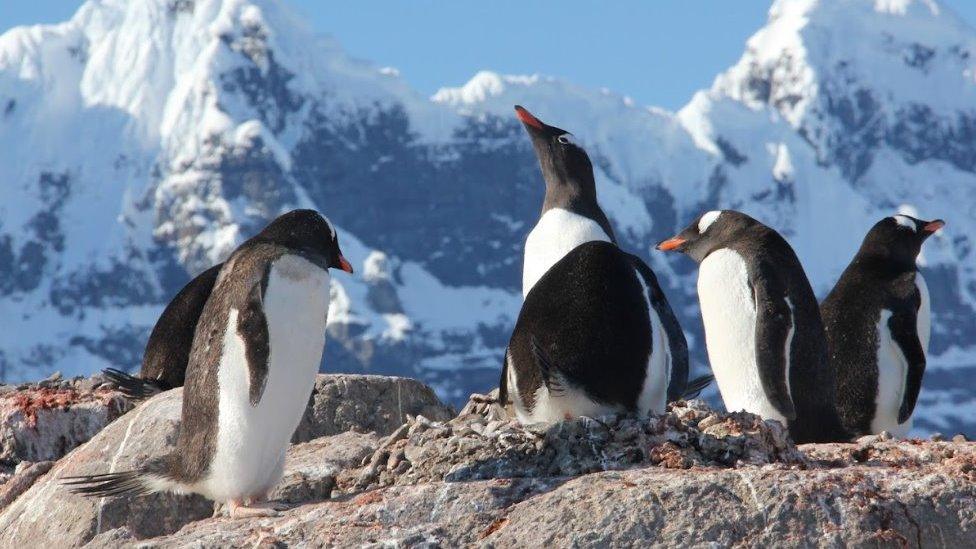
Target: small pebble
x: 709, y: 421
x: 22, y: 466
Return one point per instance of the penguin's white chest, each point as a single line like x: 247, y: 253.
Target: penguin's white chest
x: 729, y: 316
x: 892, y: 372
x: 555, y: 235
x: 893, y: 367
x: 252, y: 439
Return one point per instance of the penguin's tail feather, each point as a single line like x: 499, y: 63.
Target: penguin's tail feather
x: 137, y: 483
x: 135, y: 388
x: 696, y: 386
x: 549, y: 375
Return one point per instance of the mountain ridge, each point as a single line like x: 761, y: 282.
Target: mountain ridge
x: 124, y: 182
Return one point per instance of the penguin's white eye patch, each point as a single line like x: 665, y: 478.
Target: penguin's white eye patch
x: 905, y: 222
x: 707, y: 219
x: 567, y: 139
x: 331, y: 226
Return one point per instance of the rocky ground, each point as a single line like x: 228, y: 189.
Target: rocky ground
x: 379, y: 461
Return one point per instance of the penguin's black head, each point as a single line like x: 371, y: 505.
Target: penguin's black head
x: 899, y: 238
x: 309, y: 234
x: 709, y: 232
x: 565, y: 165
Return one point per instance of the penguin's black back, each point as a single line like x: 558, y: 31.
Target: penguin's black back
x: 772, y: 263
x: 168, y: 348
x: 589, y: 315
x: 851, y: 312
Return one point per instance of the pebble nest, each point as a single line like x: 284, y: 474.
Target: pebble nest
x: 483, y: 442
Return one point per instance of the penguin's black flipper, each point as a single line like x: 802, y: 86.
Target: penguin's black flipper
x: 252, y: 325
x: 134, y: 387
x: 696, y: 386
x: 774, y: 330
x: 549, y: 375
x: 675, y: 335
x: 503, y: 382
x: 904, y: 332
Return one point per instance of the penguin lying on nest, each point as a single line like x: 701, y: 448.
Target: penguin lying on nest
x: 596, y: 334
x: 255, y: 352
x: 878, y: 326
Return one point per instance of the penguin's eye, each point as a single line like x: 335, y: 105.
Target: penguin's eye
x: 566, y: 139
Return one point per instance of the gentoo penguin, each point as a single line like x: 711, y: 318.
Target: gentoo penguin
x: 584, y: 343
x: 763, y: 330
x: 877, y: 321
x: 168, y: 349
x: 257, y: 348
x: 571, y: 216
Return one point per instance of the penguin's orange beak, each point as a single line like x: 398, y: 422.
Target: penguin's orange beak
x: 933, y: 226
x: 670, y: 244
x: 344, y: 264
x: 527, y: 118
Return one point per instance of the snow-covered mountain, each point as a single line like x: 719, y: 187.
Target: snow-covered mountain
x: 141, y: 141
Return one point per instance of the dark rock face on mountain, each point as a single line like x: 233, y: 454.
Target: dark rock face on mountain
x: 691, y: 476
x: 837, y: 114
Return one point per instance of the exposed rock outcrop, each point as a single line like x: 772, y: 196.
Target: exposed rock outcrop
x: 46, y: 420
x: 692, y: 476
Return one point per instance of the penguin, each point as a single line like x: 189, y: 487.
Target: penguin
x: 877, y: 319
x: 584, y: 343
x: 168, y: 349
x: 763, y: 331
x: 256, y: 351
x: 571, y: 216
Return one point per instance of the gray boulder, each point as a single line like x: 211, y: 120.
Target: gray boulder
x: 364, y: 403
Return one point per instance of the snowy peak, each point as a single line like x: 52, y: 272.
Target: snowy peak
x: 907, y: 51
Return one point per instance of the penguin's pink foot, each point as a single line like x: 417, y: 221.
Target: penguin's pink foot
x: 262, y: 501
x: 237, y: 509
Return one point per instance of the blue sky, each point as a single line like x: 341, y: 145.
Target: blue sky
x: 658, y: 52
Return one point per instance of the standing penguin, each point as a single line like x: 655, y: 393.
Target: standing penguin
x: 168, y: 349
x: 877, y: 321
x: 763, y: 330
x: 257, y: 348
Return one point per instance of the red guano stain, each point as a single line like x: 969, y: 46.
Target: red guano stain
x: 31, y: 401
